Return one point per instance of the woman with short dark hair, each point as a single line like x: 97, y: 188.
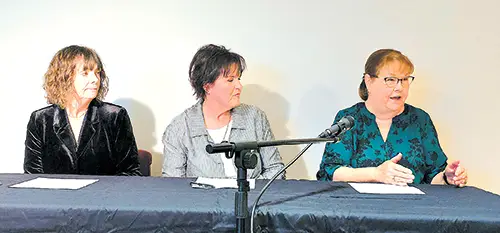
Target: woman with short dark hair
x: 214, y: 74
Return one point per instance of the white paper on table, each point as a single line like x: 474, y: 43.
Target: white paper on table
x: 55, y: 183
x: 223, y: 182
x: 384, y: 188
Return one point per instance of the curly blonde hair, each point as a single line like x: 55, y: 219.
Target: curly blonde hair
x: 59, y: 78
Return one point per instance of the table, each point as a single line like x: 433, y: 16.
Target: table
x: 155, y: 204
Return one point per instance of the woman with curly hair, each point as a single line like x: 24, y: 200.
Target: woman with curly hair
x: 79, y: 133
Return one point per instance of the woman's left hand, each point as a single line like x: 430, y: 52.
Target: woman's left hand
x: 456, y: 174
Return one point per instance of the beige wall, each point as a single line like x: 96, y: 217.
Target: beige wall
x: 305, y: 60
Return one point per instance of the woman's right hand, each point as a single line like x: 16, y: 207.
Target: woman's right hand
x: 390, y: 172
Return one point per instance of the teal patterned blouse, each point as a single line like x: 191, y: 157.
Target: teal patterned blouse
x: 412, y: 134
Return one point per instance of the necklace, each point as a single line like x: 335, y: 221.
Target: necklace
x: 225, y: 133
x: 82, y: 114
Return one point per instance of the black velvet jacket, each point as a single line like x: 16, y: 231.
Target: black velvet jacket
x: 106, y: 145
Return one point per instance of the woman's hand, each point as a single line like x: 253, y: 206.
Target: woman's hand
x: 456, y: 174
x: 390, y: 172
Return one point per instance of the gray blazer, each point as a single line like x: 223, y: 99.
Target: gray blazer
x: 186, y: 137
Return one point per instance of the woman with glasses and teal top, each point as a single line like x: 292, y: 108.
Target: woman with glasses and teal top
x: 391, y: 142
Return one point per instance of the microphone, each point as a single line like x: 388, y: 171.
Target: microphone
x: 338, y: 128
x: 219, y: 148
x: 341, y: 126
x: 226, y: 146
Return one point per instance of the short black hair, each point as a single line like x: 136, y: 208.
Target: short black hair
x: 209, y: 62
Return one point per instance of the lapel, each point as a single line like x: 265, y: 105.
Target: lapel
x: 196, y: 122
x: 198, y: 131
x: 89, y: 126
x: 239, y: 118
x: 63, y: 131
x: 239, y: 126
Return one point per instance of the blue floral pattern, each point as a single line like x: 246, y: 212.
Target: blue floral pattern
x: 412, y: 134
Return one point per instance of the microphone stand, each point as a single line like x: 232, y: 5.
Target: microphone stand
x: 245, y: 157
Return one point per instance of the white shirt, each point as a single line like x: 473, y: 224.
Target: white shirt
x: 219, y: 135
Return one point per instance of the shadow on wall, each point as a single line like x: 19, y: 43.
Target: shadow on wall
x: 318, y: 107
x: 423, y: 95
x: 143, y: 122
x: 277, y: 110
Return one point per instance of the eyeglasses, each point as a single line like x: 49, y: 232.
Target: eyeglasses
x: 393, y: 81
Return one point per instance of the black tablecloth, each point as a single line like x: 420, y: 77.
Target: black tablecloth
x: 154, y: 204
